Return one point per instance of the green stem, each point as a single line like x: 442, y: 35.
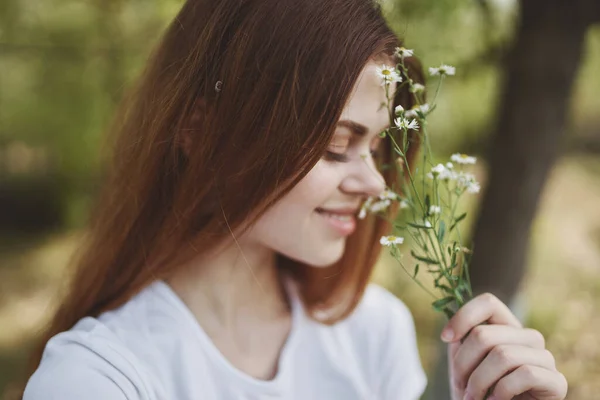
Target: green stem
x: 415, y: 279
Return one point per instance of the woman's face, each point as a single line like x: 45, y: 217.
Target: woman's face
x: 297, y: 225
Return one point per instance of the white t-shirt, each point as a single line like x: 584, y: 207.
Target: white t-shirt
x: 152, y: 348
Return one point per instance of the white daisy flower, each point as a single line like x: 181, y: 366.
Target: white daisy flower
x: 448, y: 175
x: 416, y: 88
x: 380, y: 205
x: 365, y: 207
x: 473, y: 187
x: 391, y: 240
x: 463, y: 159
x: 404, y: 204
x: 388, y: 74
x: 468, y: 181
x: 449, y: 165
x: 362, y: 213
x: 404, y: 123
x: 440, y: 172
x: 414, y: 112
x: 438, y: 169
x: 402, y: 52
x: 427, y: 224
x: 388, y: 194
x: 434, y: 210
x: 442, y: 70
x: 463, y: 178
x: 398, y: 110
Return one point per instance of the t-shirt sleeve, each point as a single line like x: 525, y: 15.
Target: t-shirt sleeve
x: 70, y: 371
x: 72, y: 383
x: 401, y: 374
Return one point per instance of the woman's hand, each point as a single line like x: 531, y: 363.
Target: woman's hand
x: 503, y: 356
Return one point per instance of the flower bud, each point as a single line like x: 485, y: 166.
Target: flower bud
x: 400, y: 163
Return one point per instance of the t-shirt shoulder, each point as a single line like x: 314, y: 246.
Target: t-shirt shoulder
x: 84, y: 362
x: 384, y: 331
x: 378, y: 312
x: 105, y: 354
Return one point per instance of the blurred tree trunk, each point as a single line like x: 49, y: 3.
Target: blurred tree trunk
x: 539, y: 70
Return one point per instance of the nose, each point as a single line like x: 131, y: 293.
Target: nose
x: 364, y: 178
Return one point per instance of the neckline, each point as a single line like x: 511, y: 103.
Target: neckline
x: 271, y: 386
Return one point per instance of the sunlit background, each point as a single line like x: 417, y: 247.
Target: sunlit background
x: 65, y: 63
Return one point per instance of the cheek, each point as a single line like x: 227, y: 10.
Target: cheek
x: 320, y: 184
x: 291, y: 226
x: 314, y: 190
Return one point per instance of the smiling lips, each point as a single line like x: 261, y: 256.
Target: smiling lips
x: 339, y: 211
x: 343, y: 220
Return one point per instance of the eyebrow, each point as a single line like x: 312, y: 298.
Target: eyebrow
x: 354, y: 127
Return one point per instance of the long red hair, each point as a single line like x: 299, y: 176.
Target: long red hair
x: 274, y: 76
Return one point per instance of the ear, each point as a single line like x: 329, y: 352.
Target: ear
x: 191, y: 125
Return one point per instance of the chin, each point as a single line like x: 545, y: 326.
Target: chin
x: 327, y: 255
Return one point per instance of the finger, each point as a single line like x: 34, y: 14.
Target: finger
x: 487, y: 336
x: 501, y: 361
x: 483, y: 308
x: 481, y: 340
x: 539, y: 382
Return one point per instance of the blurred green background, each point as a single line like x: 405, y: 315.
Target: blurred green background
x: 64, y: 65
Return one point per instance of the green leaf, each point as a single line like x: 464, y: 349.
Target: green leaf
x: 458, y: 296
x: 418, y: 226
x: 457, y: 220
x: 426, y: 260
x: 427, y: 204
x: 440, y: 304
x: 442, y: 231
x: 446, y: 288
x: 416, y: 271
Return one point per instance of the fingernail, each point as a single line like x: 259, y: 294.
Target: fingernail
x: 468, y: 396
x: 447, y: 334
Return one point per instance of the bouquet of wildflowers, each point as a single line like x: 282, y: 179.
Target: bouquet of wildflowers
x: 429, y: 196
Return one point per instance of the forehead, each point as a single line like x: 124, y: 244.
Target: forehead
x: 365, y: 103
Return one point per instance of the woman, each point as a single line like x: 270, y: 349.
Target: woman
x: 224, y: 259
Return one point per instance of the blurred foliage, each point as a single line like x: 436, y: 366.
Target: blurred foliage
x: 64, y: 65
